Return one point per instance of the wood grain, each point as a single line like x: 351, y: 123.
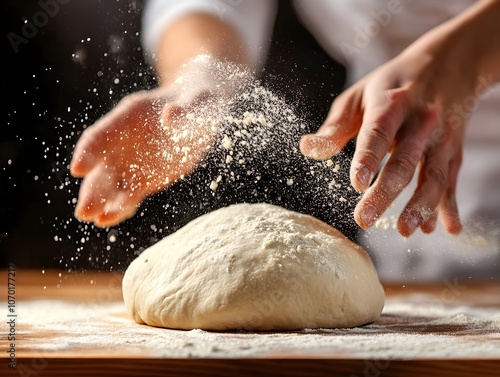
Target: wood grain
x: 84, y: 290
x: 254, y: 367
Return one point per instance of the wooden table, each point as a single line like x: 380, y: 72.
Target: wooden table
x: 75, y: 324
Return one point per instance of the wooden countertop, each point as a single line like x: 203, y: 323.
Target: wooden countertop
x: 75, y: 324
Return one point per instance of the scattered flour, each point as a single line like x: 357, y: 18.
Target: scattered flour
x: 248, y: 136
x: 253, y: 133
x: 408, y: 329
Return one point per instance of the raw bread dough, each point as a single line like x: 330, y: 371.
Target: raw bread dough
x: 253, y: 266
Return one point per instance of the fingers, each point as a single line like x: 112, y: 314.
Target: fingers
x: 87, y: 152
x: 435, y: 192
x: 448, y: 209
x: 429, y: 225
x: 409, y: 146
x: 432, y: 182
x: 92, y: 197
x: 383, y: 117
x: 448, y: 212
x: 436, y: 189
x: 98, y: 138
x: 121, y: 207
x: 94, y: 142
x: 341, y: 125
x: 319, y: 147
x: 103, y: 201
x: 389, y: 121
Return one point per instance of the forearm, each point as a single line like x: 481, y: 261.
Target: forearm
x: 479, y: 31
x: 192, y: 35
x: 465, y: 47
x: 485, y: 21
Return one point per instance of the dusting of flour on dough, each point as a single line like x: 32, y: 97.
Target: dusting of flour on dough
x: 406, y: 330
x: 253, y: 266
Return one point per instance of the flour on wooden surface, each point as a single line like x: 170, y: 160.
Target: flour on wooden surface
x: 408, y: 329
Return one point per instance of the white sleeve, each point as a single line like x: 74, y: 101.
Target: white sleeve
x: 253, y: 20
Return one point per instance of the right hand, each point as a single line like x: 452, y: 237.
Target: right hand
x: 139, y: 148
x: 146, y: 142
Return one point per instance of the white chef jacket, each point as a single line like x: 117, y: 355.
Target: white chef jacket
x: 362, y: 35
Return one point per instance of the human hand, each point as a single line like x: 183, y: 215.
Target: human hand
x: 148, y: 141
x: 135, y: 150
x: 412, y: 108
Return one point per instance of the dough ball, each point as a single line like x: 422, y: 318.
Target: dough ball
x: 255, y: 267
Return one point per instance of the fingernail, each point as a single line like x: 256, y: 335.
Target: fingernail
x: 364, y: 177
x: 368, y: 215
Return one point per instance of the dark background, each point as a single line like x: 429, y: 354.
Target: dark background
x: 71, y: 70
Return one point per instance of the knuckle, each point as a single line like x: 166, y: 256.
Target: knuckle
x: 370, y: 159
x: 404, y: 166
x: 387, y: 190
x: 437, y: 174
x: 399, y: 96
x: 390, y: 113
x: 378, y: 133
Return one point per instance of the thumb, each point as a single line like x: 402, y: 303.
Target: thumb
x: 341, y: 125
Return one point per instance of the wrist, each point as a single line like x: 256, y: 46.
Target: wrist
x: 478, y: 32
x: 467, y: 46
x: 488, y: 40
x: 192, y: 35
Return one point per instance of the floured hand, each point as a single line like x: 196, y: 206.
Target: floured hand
x: 139, y: 148
x: 407, y: 109
x: 150, y: 140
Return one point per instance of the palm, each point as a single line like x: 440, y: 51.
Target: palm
x: 131, y: 153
